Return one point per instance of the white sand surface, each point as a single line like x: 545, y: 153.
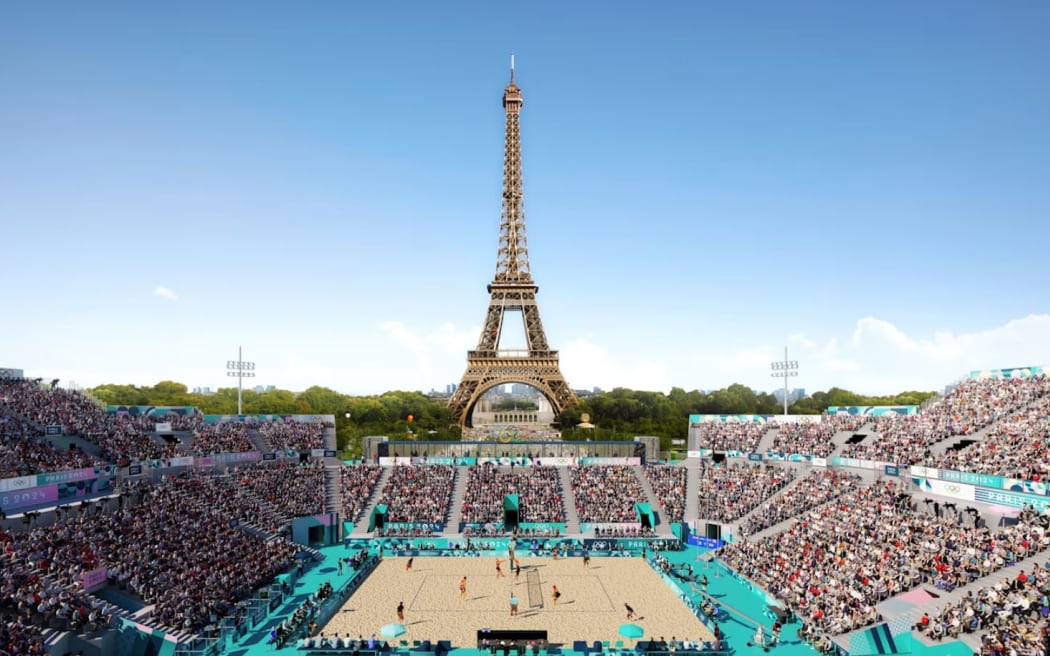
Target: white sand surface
x: 591, y: 606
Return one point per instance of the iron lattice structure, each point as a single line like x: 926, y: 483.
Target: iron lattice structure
x: 512, y: 289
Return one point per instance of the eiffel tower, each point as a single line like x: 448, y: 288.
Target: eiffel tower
x: 512, y: 289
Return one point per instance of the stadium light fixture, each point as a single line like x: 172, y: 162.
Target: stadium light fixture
x: 240, y: 370
x: 785, y: 369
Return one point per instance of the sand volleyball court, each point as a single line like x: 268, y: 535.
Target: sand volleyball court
x: 590, y: 607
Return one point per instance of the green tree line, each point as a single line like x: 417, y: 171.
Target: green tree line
x: 619, y: 414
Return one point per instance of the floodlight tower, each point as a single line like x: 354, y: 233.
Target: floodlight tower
x: 785, y: 369
x: 240, y: 370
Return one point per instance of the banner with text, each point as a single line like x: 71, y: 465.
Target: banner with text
x: 796, y: 419
x: 728, y: 419
x: 94, y: 579
x: 1012, y: 499
x: 158, y: 412
x: 607, y: 527
x: 873, y: 410
x: 609, y: 461
x: 1014, y: 372
x: 262, y: 419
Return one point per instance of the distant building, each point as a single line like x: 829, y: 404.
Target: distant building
x: 450, y: 389
x: 793, y: 395
x: 520, y: 389
x: 203, y: 390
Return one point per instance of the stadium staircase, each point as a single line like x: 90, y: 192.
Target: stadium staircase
x: 361, y: 525
x: 955, y: 597
x: 183, y: 440
x: 692, y: 489
x: 459, y: 493
x: 333, y: 485
x: 663, y: 527
x: 956, y: 442
x: 840, y: 439
x: 800, y: 473
x: 262, y: 444
x: 60, y: 442
x: 572, y: 518
x: 59, y: 639
x: 271, y: 515
x: 767, y: 440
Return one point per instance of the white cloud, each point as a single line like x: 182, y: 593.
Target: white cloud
x: 452, y: 340
x: 164, y: 292
x: 431, y: 356
x: 881, y: 358
x: 870, y: 355
x: 586, y: 364
x: 800, y: 338
x: 445, y: 339
x: 398, y: 332
x: 873, y: 356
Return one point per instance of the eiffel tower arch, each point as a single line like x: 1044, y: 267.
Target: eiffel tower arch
x: 513, y: 291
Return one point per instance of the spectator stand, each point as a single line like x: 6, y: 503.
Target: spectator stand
x: 971, y: 406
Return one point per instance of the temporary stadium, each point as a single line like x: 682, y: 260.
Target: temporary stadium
x: 865, y: 530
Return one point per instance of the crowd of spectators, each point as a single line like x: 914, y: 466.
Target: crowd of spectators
x: 538, y: 489
x: 120, y: 438
x: 24, y: 450
x: 813, y: 438
x: 669, y: 485
x: 31, y: 600
x: 418, y: 493
x: 19, y: 635
x: 241, y: 504
x: 1010, y: 613
x: 224, y: 437
x: 1017, y: 446
x: 728, y: 492
x: 175, y: 549
x: 732, y: 436
x: 606, y: 493
x: 295, y: 435
x: 356, y: 485
x: 839, y: 560
x: 972, y: 405
x: 296, y: 489
x: 817, y: 488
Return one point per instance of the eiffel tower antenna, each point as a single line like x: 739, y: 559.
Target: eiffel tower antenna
x: 512, y: 288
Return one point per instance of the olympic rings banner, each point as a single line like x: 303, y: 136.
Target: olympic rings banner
x: 960, y: 491
x: 995, y: 482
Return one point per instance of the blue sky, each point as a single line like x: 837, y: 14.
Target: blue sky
x: 704, y: 182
